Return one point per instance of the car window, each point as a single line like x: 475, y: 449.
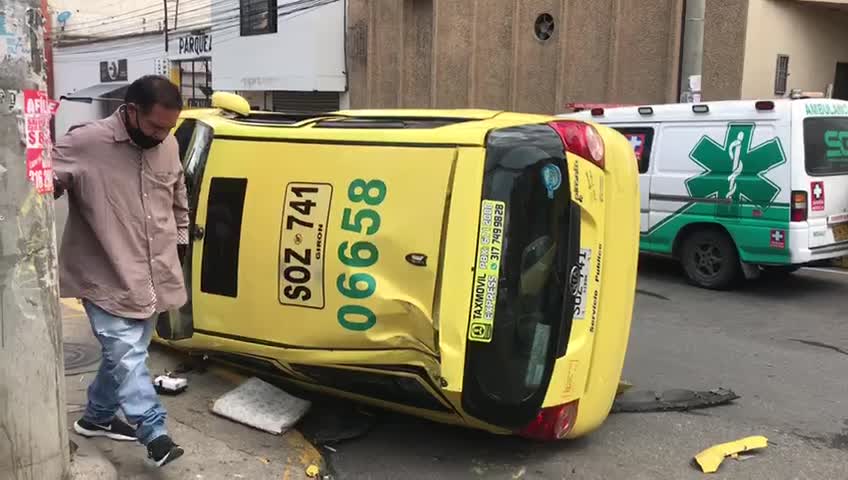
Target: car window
x: 183, y: 136
x: 224, y: 214
x: 642, y: 139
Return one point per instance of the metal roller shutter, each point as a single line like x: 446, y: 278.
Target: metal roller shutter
x: 290, y: 101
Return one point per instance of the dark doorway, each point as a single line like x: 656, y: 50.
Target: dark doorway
x: 840, y: 83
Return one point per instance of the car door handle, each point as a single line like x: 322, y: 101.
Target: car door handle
x: 197, y: 233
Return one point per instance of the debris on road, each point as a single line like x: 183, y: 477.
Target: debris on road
x: 313, y: 471
x: 261, y: 405
x: 331, y: 422
x: 169, y: 385
x: 677, y: 400
x: 710, y: 459
x: 623, y: 386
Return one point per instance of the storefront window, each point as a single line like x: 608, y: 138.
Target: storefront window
x: 196, y: 82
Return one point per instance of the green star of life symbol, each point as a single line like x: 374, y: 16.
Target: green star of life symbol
x: 735, y: 170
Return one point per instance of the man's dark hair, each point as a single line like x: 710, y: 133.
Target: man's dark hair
x: 151, y: 90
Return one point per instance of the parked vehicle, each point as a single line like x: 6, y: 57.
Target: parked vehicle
x: 456, y: 265
x: 739, y: 186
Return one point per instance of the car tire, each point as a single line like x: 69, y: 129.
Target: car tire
x: 710, y: 259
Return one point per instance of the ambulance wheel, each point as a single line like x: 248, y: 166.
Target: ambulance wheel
x: 710, y: 259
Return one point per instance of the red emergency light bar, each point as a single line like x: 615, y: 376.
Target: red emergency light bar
x: 579, y: 107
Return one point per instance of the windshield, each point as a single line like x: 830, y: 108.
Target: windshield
x: 826, y: 145
x: 521, y: 277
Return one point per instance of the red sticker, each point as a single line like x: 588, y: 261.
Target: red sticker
x: 778, y: 239
x: 637, y: 141
x: 817, y: 194
x: 38, y: 109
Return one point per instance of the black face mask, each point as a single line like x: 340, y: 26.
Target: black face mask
x: 142, y: 140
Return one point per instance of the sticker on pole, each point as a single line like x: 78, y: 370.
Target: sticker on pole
x: 817, y: 194
x: 38, y: 110
x: 487, y: 271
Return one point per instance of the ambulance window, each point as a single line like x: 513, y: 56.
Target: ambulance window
x: 642, y: 139
x: 219, y: 268
x: 826, y: 146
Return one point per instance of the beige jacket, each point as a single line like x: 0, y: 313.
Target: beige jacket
x: 119, y: 248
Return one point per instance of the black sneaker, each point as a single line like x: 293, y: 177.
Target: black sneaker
x: 116, y: 430
x: 162, y: 451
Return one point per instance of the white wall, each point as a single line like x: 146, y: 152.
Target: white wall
x: 306, y: 53
x: 814, y: 36
x: 78, y: 67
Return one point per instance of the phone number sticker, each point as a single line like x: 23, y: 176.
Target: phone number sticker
x: 487, y: 271
x: 303, y: 242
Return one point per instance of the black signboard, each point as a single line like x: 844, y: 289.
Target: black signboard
x: 113, y: 71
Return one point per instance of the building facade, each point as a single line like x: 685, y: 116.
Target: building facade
x: 525, y: 55
x: 283, y: 54
x: 541, y: 55
x: 280, y: 54
x: 795, y: 45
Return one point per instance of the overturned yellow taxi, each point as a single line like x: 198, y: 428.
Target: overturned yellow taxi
x: 472, y: 267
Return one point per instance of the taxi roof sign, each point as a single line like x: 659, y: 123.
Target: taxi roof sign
x: 231, y: 102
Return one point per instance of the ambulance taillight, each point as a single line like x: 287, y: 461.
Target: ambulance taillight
x: 799, y: 206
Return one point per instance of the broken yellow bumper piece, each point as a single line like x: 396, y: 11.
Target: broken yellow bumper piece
x: 710, y: 459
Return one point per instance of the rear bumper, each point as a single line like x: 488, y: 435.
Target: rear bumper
x: 802, y: 253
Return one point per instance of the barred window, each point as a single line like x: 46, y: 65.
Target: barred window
x: 781, y: 75
x: 258, y: 17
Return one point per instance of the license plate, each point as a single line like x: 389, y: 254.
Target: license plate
x: 302, y: 244
x: 840, y: 232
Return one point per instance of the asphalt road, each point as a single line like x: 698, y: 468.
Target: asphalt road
x: 781, y: 344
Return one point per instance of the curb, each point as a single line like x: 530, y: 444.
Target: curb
x: 840, y: 262
x: 88, y: 463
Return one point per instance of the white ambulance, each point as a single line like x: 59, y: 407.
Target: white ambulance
x: 739, y: 187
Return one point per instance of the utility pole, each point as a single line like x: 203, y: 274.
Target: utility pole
x: 167, y: 39
x: 33, y: 431
x: 692, y: 53
x: 177, y: 15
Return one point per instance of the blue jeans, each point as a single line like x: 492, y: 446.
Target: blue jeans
x: 123, y: 380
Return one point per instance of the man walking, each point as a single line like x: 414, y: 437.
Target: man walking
x: 128, y: 212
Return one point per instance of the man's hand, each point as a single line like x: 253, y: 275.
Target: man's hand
x: 58, y: 187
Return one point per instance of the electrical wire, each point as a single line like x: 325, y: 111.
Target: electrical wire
x: 199, y: 10
x: 76, y: 30
x: 220, y: 22
x: 124, y: 16
x: 222, y: 26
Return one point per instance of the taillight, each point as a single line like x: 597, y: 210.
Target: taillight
x: 552, y: 423
x: 581, y: 139
x: 799, y: 206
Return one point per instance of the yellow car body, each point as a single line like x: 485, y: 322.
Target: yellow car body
x: 357, y: 253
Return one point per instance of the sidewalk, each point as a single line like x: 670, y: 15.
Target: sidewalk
x: 215, y: 448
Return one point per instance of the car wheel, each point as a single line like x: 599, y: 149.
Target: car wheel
x: 710, y: 259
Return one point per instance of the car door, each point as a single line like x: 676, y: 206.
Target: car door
x: 327, y: 246
x: 194, y: 138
